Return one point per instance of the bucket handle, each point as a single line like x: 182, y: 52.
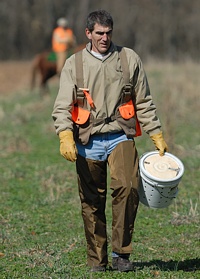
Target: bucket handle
x: 175, y: 169
x: 169, y: 197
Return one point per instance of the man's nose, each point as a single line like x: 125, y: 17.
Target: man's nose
x: 105, y: 36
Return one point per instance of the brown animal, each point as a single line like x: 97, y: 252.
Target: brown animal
x: 44, y: 65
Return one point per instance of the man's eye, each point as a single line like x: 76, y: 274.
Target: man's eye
x: 102, y: 33
x: 109, y: 32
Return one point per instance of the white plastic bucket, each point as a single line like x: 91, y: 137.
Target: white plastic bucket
x: 160, y: 176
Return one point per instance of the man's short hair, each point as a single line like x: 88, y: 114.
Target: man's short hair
x: 100, y: 17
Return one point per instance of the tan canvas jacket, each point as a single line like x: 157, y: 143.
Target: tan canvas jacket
x: 104, y: 79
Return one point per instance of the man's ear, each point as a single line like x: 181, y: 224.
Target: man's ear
x: 88, y: 33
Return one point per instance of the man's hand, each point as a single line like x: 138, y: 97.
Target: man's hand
x: 67, y: 145
x: 159, y: 143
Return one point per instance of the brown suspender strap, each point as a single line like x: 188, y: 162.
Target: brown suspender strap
x: 80, y: 82
x: 79, y: 69
x: 124, y: 64
x: 127, y: 89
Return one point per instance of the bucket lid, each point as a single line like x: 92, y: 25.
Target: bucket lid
x: 161, y: 167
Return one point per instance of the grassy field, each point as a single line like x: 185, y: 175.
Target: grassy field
x: 41, y: 230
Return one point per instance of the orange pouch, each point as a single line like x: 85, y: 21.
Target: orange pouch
x: 80, y: 115
x: 138, y: 129
x: 127, y: 110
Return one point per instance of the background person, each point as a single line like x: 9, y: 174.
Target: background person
x: 62, y: 40
x: 105, y: 137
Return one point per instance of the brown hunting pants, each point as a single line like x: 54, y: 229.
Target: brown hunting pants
x: 92, y: 181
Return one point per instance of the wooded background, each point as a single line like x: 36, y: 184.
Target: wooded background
x: 165, y: 29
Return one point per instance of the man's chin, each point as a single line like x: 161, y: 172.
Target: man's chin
x: 103, y: 50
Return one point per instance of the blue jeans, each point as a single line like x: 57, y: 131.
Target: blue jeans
x: 100, y: 145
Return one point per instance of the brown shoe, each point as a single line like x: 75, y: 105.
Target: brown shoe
x: 122, y: 264
x: 98, y: 268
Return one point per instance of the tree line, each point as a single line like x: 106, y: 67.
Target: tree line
x: 165, y: 29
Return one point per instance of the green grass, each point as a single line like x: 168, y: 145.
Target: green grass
x: 41, y: 230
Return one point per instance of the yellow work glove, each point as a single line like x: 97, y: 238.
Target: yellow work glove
x: 67, y: 145
x: 159, y: 143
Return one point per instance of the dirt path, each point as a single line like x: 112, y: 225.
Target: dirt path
x: 14, y: 76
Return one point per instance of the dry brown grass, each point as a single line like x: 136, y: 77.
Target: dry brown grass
x: 191, y: 217
x: 14, y: 76
x: 177, y: 98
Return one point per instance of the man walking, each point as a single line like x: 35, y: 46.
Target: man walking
x: 103, y: 96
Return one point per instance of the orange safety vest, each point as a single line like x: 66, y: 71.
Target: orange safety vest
x: 63, y: 34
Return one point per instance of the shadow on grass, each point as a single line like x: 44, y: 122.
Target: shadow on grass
x: 189, y: 265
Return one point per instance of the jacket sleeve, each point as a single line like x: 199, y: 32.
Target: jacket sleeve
x: 145, y: 108
x: 65, y: 99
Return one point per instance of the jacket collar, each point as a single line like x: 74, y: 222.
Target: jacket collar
x: 111, y: 49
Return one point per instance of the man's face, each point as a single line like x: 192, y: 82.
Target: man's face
x: 100, y: 38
